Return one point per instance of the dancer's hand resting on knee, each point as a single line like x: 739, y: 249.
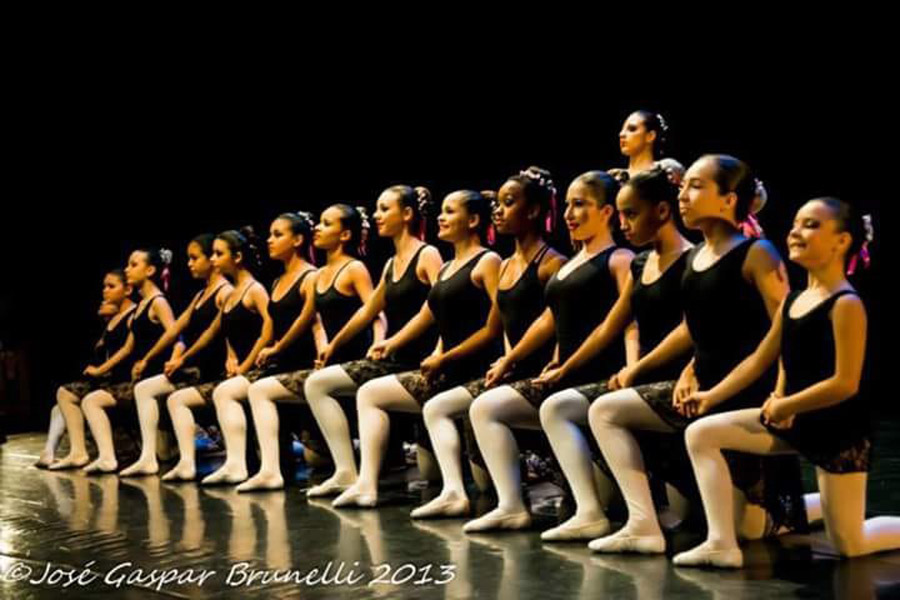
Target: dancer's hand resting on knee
x: 775, y: 414
x: 432, y: 365
x: 497, y: 372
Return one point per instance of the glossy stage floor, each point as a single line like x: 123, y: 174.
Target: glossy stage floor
x: 65, y: 534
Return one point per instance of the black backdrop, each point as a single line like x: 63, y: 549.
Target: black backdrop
x: 104, y: 173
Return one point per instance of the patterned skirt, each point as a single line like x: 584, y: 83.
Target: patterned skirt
x: 849, y: 451
x: 773, y: 482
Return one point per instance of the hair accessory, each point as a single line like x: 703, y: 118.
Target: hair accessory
x: 662, y: 123
x: 422, y: 199
x: 863, y: 254
x: 364, y: 229
x: 750, y: 227
x: 674, y: 170
x: 541, y: 179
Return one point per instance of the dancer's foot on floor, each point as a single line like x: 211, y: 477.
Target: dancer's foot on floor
x: 181, y: 472
x: 333, y: 486
x: 226, y: 475
x: 356, y: 496
x: 708, y: 555
x: 499, y: 519
x: 262, y: 481
x: 446, y: 505
x: 44, y: 460
x: 101, y: 466
x: 624, y: 540
x: 69, y: 462
x: 578, y: 528
x: 142, y: 467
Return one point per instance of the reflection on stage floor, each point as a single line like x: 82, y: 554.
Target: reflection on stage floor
x: 66, y: 533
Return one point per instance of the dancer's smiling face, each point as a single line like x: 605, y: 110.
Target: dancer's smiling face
x: 456, y: 223
x: 815, y: 238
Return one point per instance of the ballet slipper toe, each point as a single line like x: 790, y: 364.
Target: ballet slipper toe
x: 624, y: 542
x: 325, y: 489
x: 353, y: 497
x: 496, y: 520
x: 587, y: 531
x: 442, y: 508
x: 701, y: 556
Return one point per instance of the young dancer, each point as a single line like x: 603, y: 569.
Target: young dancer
x: 205, y: 365
x: 401, y: 213
x: 578, y: 297
x: 524, y: 209
x: 652, y: 296
x: 244, y: 323
x: 458, y: 304
x: 146, y: 270
x: 730, y: 287
x: 293, y: 320
x: 819, y: 334
x: 642, y: 140
x: 338, y: 291
x: 115, y: 311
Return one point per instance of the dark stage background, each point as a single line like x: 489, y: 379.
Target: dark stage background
x: 109, y: 172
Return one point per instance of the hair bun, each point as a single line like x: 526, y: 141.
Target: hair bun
x: 365, y: 226
x: 423, y: 198
x: 539, y: 176
x: 869, y: 228
x: 760, y: 197
x: 165, y: 256
x: 306, y: 218
x: 674, y: 170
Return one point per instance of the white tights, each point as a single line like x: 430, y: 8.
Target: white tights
x: 264, y: 394
x: 373, y: 401
x: 94, y: 407
x: 228, y: 398
x: 55, y: 432
x: 320, y: 390
x: 562, y: 414
x: 146, y: 395
x: 494, y: 414
x: 70, y: 410
x: 180, y: 405
x: 843, y: 496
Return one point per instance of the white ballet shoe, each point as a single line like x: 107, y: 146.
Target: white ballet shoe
x: 69, y: 462
x: 449, y: 505
x: 141, y: 467
x: 498, y: 519
x: 180, y: 473
x: 262, y: 482
x: 354, y: 497
x: 703, y: 556
x: 624, y: 541
x: 226, y: 475
x: 329, y: 487
x: 101, y: 467
x: 584, y: 531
